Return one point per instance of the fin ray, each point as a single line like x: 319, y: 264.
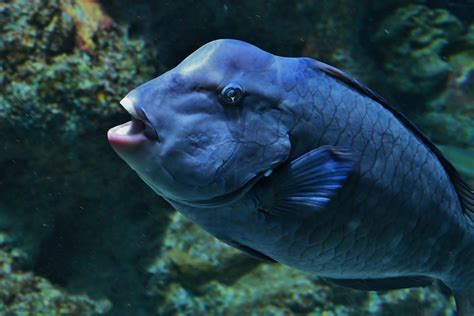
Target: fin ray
x: 309, y: 181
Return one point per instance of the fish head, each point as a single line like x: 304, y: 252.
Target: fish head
x: 208, y: 127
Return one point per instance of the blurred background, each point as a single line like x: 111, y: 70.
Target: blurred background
x: 80, y: 234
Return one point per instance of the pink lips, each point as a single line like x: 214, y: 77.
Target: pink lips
x: 127, y: 135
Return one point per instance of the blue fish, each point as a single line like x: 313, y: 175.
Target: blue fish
x: 291, y: 160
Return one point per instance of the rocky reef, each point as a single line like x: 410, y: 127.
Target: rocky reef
x: 24, y: 293
x: 81, y: 235
x: 418, y: 36
x: 63, y: 69
x: 60, y: 74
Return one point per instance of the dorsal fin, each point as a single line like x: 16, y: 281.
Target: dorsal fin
x: 465, y: 193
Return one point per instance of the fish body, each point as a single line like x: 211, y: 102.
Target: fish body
x: 291, y: 160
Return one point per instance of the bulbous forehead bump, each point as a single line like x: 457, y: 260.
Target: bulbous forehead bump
x: 216, y: 60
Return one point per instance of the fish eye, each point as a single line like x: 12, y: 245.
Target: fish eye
x: 231, y: 94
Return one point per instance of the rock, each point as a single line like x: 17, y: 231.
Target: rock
x: 418, y: 36
x: 33, y: 29
x: 88, y: 18
x: 427, y: 56
x: 191, y: 256
x: 82, y: 218
x: 51, y: 86
x: 450, y: 119
x: 24, y: 293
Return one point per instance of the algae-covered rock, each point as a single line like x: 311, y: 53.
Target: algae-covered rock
x: 65, y: 197
x: 89, y: 18
x: 411, y: 42
x: 197, y: 275
x: 191, y: 256
x: 24, y: 293
x: 33, y: 29
x: 450, y: 119
x: 50, y: 85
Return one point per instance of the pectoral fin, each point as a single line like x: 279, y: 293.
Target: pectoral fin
x: 308, y: 182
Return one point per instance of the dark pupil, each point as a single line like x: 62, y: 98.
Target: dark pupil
x: 231, y: 92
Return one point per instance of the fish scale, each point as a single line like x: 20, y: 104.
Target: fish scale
x: 374, y: 116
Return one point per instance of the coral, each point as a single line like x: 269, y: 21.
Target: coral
x: 24, y: 293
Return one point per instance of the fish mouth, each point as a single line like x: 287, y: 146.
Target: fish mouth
x: 128, y: 134
x: 134, y: 132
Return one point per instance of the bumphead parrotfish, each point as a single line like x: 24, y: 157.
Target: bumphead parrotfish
x: 291, y: 160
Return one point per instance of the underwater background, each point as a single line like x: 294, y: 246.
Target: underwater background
x: 80, y: 234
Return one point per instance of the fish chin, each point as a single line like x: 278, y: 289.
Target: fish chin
x: 226, y: 199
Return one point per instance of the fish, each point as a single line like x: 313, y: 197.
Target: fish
x: 291, y: 160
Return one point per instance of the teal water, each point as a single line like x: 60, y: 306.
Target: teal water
x: 80, y: 234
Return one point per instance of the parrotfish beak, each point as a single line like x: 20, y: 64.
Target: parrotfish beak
x: 128, y: 135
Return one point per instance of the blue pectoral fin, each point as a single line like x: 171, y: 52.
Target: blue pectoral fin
x: 308, y: 182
